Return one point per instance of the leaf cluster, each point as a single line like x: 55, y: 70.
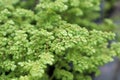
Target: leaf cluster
x: 41, y: 44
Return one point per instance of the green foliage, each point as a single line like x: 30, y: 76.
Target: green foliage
x: 42, y: 45
x: 109, y: 4
x: 81, y: 12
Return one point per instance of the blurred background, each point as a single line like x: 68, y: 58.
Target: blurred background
x: 111, y: 9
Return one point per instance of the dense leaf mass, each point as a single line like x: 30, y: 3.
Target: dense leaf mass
x: 46, y: 43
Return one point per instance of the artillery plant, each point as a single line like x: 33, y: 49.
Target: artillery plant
x: 42, y: 43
